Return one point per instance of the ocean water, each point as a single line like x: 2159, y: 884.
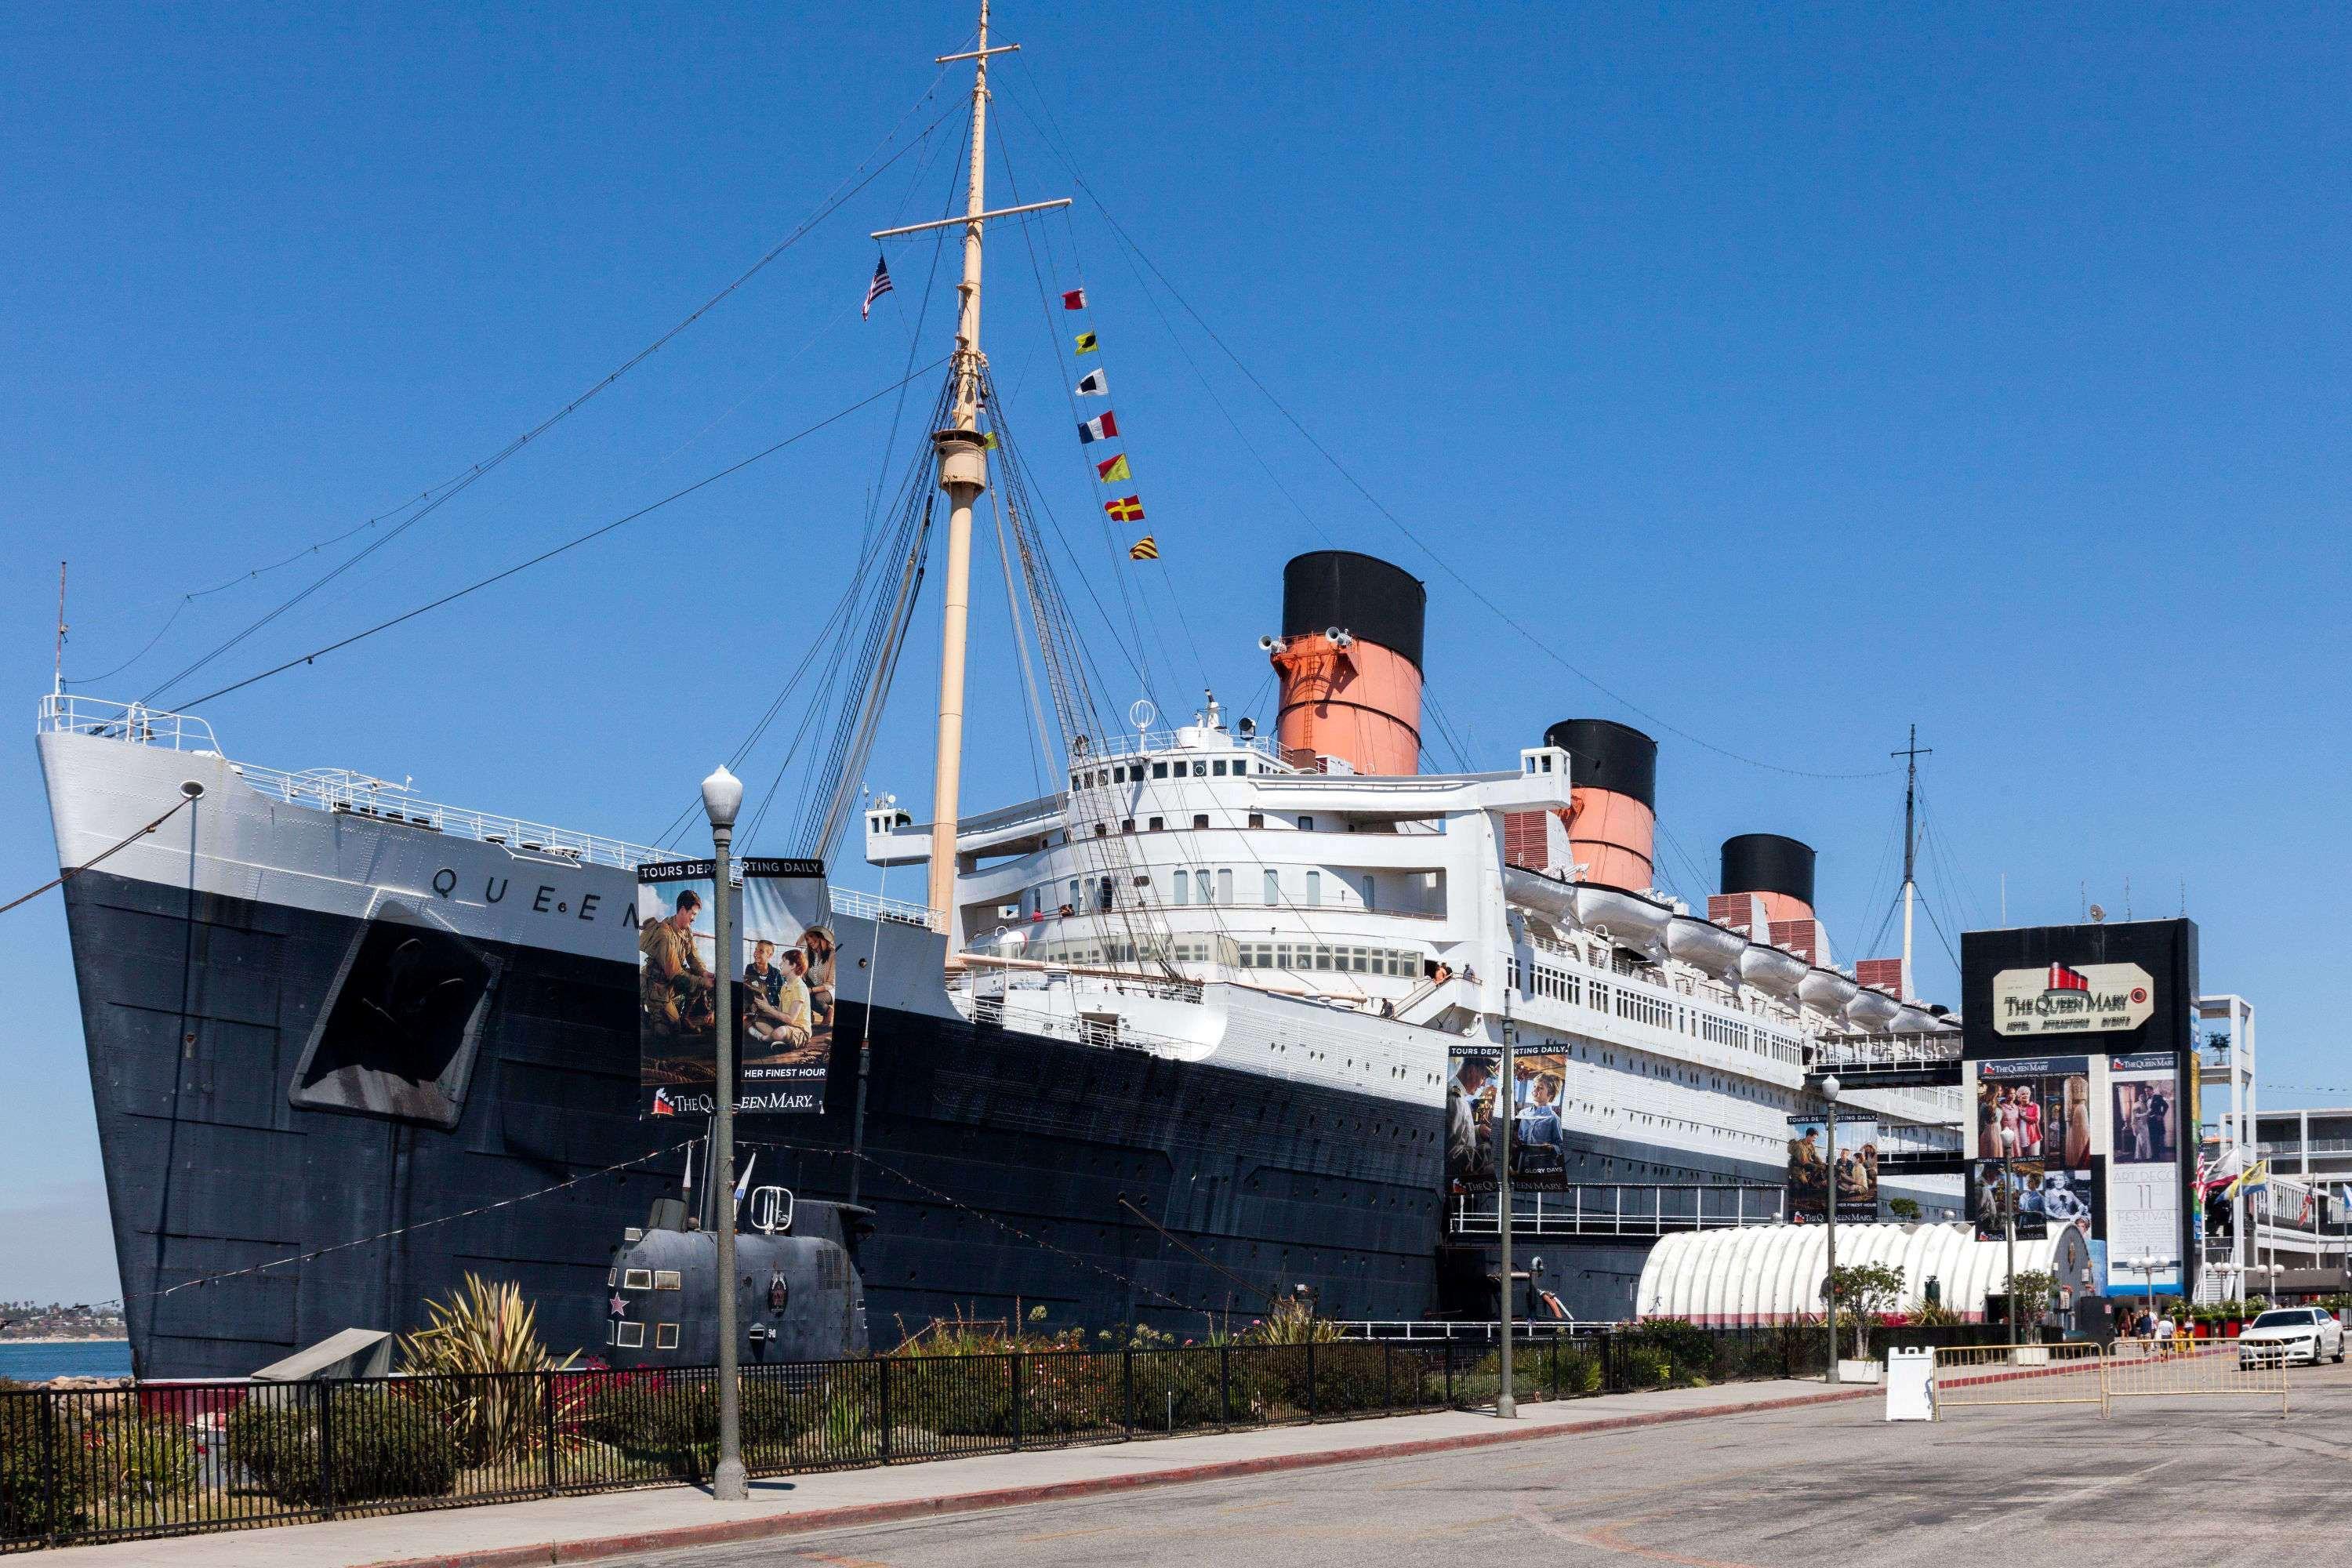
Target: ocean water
x: 77, y: 1358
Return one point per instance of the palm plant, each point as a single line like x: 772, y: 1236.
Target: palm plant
x: 477, y: 1343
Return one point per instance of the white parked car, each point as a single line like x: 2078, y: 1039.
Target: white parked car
x: 2292, y: 1333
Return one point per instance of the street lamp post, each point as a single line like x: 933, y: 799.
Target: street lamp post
x: 1830, y: 1087
x: 1506, y: 1404
x: 722, y: 797
x: 2009, y: 1234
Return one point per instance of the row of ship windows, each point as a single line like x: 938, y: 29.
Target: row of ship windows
x: 1560, y: 986
x: 1297, y: 957
x: 1653, y: 1067
x: 1314, y: 957
x: 1132, y: 773
x: 1202, y: 887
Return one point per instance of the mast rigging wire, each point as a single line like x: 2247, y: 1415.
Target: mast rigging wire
x: 70, y: 872
x: 595, y: 534
x: 832, y: 639
x: 1378, y: 505
x: 433, y: 499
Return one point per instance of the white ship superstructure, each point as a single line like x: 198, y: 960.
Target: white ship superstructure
x: 1251, y: 882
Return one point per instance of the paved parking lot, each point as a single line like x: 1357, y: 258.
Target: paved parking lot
x: 2213, y: 1481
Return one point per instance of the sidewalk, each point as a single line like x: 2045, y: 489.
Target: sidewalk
x: 606, y: 1525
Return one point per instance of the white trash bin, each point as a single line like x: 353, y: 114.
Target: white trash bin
x: 1910, y: 1386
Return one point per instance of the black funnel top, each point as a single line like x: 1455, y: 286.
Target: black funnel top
x: 1767, y: 863
x: 1605, y: 754
x: 1376, y: 601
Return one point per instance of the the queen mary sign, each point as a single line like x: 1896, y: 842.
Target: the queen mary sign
x: 2068, y: 999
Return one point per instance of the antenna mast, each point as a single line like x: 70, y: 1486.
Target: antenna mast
x: 58, y: 688
x: 1911, y: 753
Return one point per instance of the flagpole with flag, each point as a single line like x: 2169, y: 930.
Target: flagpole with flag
x: 878, y: 286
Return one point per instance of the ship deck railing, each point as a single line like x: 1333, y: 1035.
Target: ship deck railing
x: 1150, y: 741
x: 340, y: 791
x: 1619, y: 1208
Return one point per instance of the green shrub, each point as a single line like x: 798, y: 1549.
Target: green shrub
x: 672, y: 1425
x: 1689, y: 1349
x: 1348, y: 1377
x: 28, y: 1508
x: 1645, y: 1366
x: 665, y: 1426
x: 386, y: 1445
x: 1181, y: 1391
x: 137, y: 1456
x: 1571, y: 1370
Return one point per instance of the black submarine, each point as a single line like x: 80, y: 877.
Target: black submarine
x: 799, y: 1296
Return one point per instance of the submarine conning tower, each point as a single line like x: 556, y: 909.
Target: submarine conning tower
x: 1349, y: 661
x: 1613, y: 810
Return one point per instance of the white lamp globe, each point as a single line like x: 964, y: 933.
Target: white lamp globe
x: 722, y: 797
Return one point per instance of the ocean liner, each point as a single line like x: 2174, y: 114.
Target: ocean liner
x: 1160, y: 1046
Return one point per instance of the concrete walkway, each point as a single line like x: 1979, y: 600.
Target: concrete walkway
x: 608, y: 1524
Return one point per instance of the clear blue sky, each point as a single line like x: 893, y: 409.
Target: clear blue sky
x: 1798, y: 374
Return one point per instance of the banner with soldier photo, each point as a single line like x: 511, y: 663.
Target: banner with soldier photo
x: 779, y: 984
x: 1473, y: 1103
x: 1857, y: 1174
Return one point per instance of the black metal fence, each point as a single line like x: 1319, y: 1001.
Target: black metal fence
x: 81, y: 1465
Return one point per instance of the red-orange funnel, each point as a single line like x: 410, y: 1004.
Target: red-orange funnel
x: 1350, y: 662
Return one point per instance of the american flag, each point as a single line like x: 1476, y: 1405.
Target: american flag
x: 878, y: 287
x: 2065, y: 979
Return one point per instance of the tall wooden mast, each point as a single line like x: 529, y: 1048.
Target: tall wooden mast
x: 964, y: 473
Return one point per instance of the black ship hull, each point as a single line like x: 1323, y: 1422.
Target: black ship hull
x: 1006, y: 1170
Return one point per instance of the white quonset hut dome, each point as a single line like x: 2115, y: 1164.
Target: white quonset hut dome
x: 1773, y: 1273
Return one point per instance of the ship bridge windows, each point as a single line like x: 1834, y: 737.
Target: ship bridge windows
x: 1328, y: 958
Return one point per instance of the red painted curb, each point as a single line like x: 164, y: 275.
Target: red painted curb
x: 723, y: 1532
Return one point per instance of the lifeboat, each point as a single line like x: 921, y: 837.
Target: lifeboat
x: 1631, y: 920
x: 1871, y: 1010
x: 1704, y: 945
x: 1826, y: 991
x: 1547, y: 896
x: 1916, y: 1021
x: 1772, y: 970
